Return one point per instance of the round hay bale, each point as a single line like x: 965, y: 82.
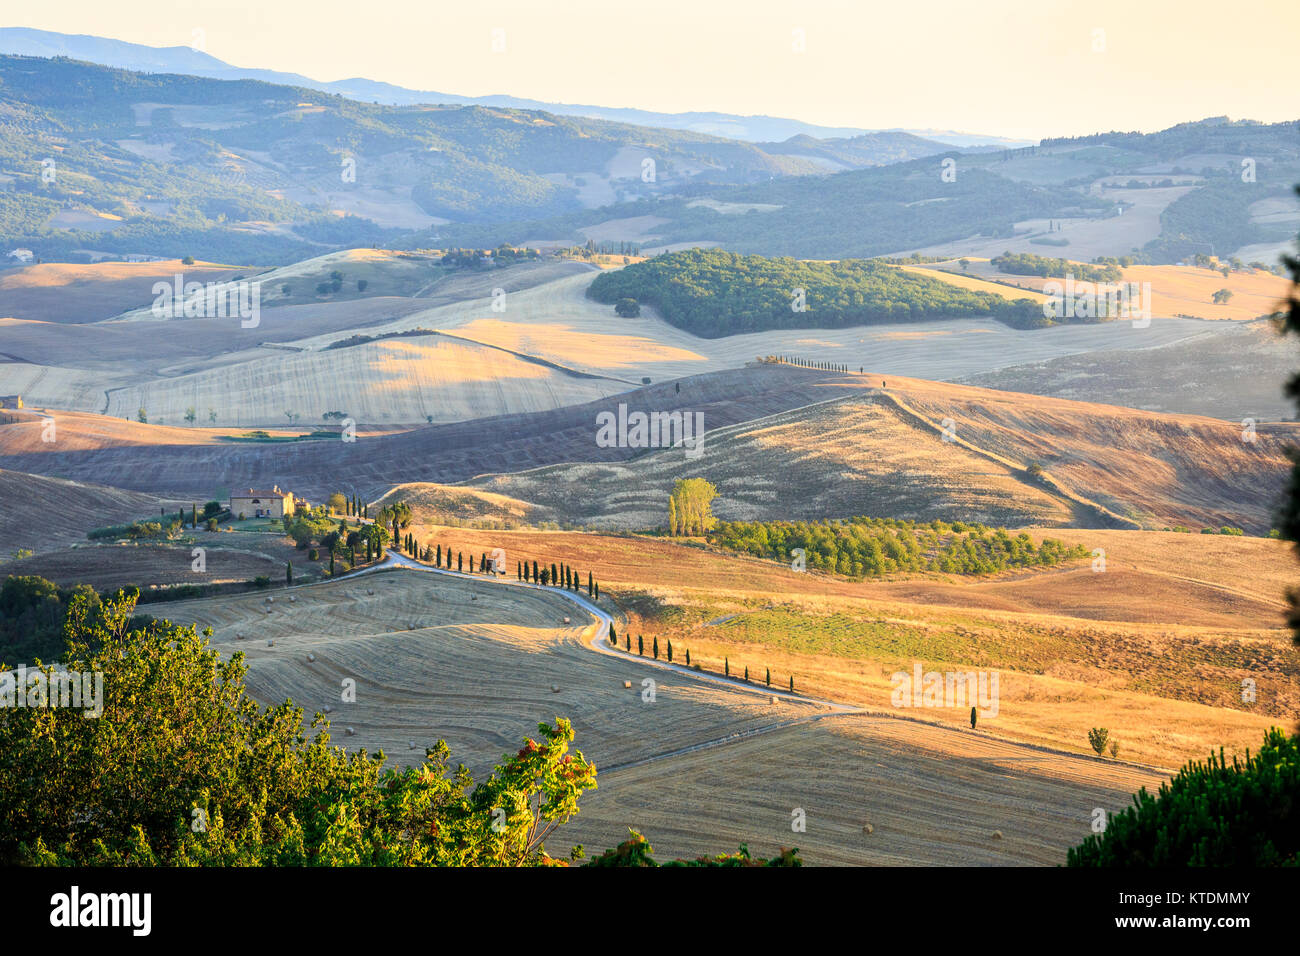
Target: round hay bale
x: 269, y: 599
x: 997, y: 834
x: 351, y: 731
x: 412, y: 743
x: 370, y: 590
x: 292, y: 599
x: 311, y: 658
x: 555, y: 688
x: 239, y: 637
x: 775, y: 699
x: 566, y: 620
x: 269, y: 642
x: 627, y: 685
x: 327, y: 708
x: 868, y: 828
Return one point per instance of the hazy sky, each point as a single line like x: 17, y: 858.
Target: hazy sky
x: 1021, y: 69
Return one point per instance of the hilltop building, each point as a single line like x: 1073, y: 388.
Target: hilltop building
x: 261, y: 504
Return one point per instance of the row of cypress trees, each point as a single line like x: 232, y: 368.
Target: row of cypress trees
x: 654, y: 650
x: 808, y: 363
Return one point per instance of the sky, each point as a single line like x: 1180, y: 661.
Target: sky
x: 1000, y: 67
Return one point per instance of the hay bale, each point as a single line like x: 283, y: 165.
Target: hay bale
x: 269, y: 599
x: 868, y: 828
x: 327, y: 708
x: 292, y: 598
x: 627, y: 685
x: 311, y: 658
x: 239, y: 637
x: 555, y: 688
x: 269, y: 642
x: 370, y: 590
x: 997, y: 834
x: 775, y: 699
x: 412, y: 743
x: 351, y: 731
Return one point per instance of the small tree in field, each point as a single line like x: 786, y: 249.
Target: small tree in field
x: 1099, y: 737
x: 288, y: 572
x: 656, y: 648
x: 670, y: 651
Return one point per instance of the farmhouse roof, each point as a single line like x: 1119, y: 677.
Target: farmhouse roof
x: 276, y: 493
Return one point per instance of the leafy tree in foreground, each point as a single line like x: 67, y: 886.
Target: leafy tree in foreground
x: 637, y: 851
x: 184, y: 768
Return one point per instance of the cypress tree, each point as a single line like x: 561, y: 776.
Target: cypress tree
x: 519, y: 571
x: 535, y: 577
x: 331, y: 563
x: 555, y: 576
x: 746, y: 673
x: 640, y: 645
x: 629, y: 643
x: 288, y: 572
x: 460, y: 561
x: 590, y: 585
x: 792, y: 683
x: 656, y: 648
x: 670, y: 650
x: 688, y: 657
x: 439, y: 555
x: 613, y: 635
x: 726, y: 666
x: 769, y: 677
x: 194, y: 515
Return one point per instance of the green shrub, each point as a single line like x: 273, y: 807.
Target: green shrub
x: 1239, y: 813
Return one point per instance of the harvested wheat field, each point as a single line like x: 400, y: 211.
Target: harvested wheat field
x: 1234, y: 371
x: 929, y: 796
x: 1158, y: 645
x: 1210, y: 580
x: 436, y: 656
x: 477, y: 664
x: 107, y: 567
x: 68, y: 293
x: 40, y: 514
x: 1176, y: 291
x: 886, y: 453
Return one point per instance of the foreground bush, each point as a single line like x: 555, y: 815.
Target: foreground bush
x: 636, y: 851
x: 1214, y: 813
x: 183, y: 768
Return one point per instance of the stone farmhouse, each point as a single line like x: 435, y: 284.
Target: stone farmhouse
x: 261, y: 504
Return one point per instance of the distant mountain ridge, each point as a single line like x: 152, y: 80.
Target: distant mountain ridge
x: 180, y: 59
